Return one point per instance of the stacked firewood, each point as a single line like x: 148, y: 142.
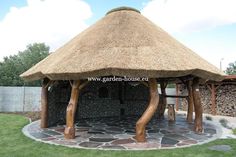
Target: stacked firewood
x: 206, y: 99
x: 225, y: 100
x: 183, y: 102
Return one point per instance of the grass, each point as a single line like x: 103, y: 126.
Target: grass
x: 209, y: 118
x: 35, y: 115
x: 14, y: 144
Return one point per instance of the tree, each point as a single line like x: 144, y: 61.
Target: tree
x: 13, y: 66
x: 231, y: 69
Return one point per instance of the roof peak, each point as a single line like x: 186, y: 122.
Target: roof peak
x: 122, y: 8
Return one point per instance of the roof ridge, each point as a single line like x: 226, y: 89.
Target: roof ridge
x: 122, y: 8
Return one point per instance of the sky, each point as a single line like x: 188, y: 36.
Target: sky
x: 208, y: 27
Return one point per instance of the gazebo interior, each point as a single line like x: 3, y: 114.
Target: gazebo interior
x: 100, y: 99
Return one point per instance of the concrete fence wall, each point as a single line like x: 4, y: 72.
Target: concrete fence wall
x: 18, y: 99
x: 170, y: 91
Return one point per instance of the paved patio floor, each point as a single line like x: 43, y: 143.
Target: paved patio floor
x: 116, y: 133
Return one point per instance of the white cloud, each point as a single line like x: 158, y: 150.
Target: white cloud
x: 214, y: 51
x: 190, y: 15
x: 182, y: 18
x: 51, y: 21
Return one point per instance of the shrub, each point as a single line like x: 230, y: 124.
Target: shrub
x: 224, y: 123
x: 234, y: 131
x: 208, y: 118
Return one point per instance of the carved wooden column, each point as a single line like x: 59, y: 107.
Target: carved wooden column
x: 44, y: 103
x: 163, y: 92
x: 162, y: 105
x: 197, y: 106
x: 190, y: 102
x: 213, y: 89
x: 177, y: 99
x: 147, y: 115
x: 213, y: 99
x: 69, y: 132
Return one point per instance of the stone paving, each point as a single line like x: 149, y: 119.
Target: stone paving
x: 222, y: 148
x: 115, y: 133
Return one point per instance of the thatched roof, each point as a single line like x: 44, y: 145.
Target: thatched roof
x: 123, y: 43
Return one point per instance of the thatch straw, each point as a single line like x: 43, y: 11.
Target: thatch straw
x: 123, y: 43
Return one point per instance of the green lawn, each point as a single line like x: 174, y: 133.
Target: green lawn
x: 14, y: 144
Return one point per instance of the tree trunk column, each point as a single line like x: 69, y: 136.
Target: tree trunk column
x: 44, y: 104
x: 69, y: 132
x: 177, y: 99
x: 147, y: 115
x: 213, y: 89
x: 213, y: 99
x: 190, y: 102
x: 163, y: 100
x: 197, y: 106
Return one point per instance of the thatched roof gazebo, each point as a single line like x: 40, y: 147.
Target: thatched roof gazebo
x: 124, y: 43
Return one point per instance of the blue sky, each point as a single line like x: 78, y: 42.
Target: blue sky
x: 207, y: 27
x: 100, y: 7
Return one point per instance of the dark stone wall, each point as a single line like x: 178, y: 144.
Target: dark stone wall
x: 58, y: 98
x: 98, y: 99
x: 136, y: 99
x: 91, y: 105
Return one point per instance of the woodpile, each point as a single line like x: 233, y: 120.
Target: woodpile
x: 206, y: 99
x: 225, y: 100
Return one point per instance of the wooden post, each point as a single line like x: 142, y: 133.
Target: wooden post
x: 44, y: 103
x: 197, y: 106
x: 69, y: 132
x: 213, y: 99
x: 163, y: 101
x: 171, y: 112
x: 147, y: 115
x: 213, y: 88
x: 177, y: 99
x: 190, y: 102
